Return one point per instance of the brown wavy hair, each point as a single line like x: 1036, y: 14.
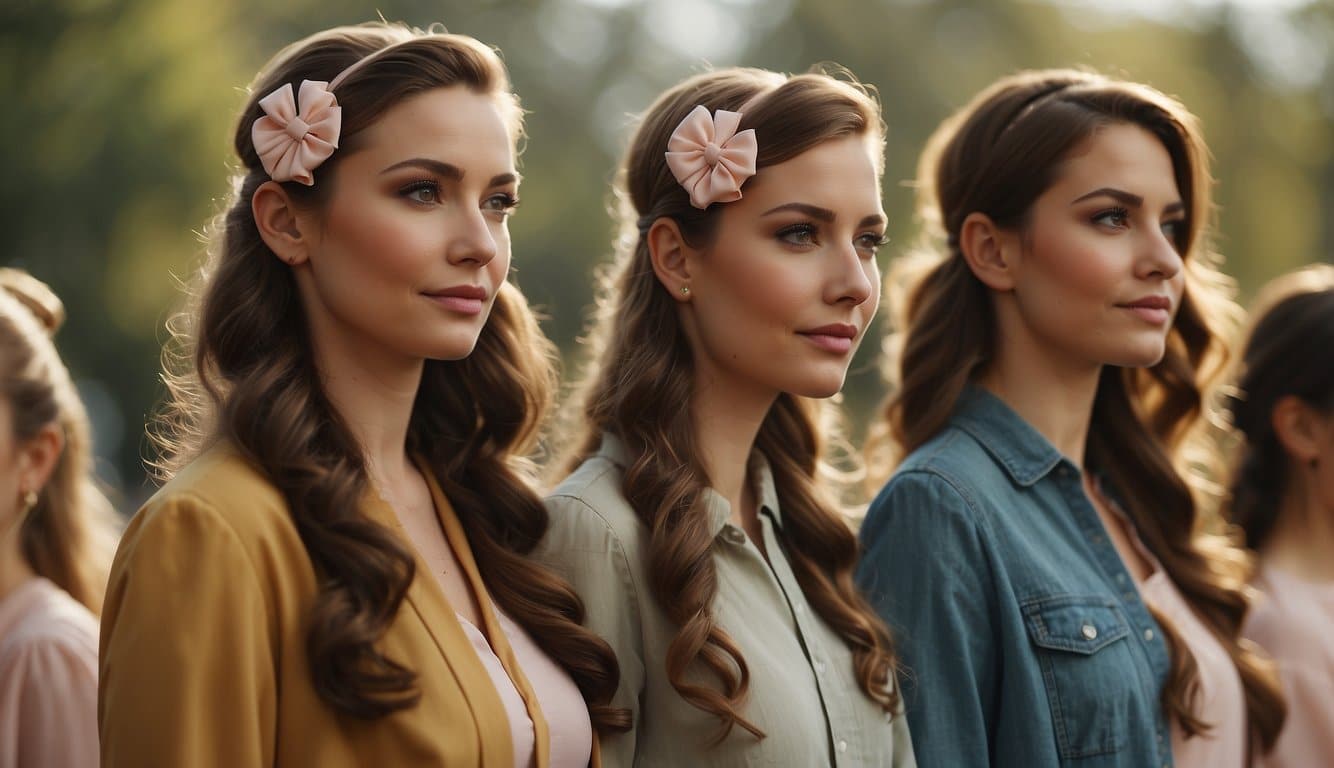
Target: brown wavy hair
x: 1287, y: 354
x: 240, y: 370
x: 641, y: 372
x: 70, y: 535
x: 997, y: 156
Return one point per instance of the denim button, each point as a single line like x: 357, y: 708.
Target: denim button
x: 1089, y: 631
x: 1148, y: 635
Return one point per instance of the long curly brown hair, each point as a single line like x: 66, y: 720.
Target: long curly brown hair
x: 240, y: 370
x: 996, y: 156
x: 70, y: 534
x: 641, y: 373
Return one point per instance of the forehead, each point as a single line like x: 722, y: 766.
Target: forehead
x: 838, y: 169
x: 452, y: 124
x: 1124, y: 156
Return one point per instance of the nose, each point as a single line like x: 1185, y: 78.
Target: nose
x: 471, y: 241
x: 850, y: 279
x: 1159, y: 257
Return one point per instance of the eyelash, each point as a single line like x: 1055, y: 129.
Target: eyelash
x: 1120, y: 213
x: 507, y: 201
x: 810, y: 230
x: 1123, y: 214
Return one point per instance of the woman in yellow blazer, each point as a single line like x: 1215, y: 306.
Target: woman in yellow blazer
x: 336, y: 571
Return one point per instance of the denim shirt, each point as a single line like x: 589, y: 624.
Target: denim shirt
x: 1025, y: 640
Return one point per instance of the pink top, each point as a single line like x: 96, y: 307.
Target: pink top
x: 1222, y: 700
x: 1294, y: 621
x: 48, y: 679
x: 562, y: 704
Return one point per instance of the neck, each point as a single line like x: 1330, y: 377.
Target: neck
x: 726, y: 418
x: 1050, y: 391
x: 1303, y: 536
x: 14, y: 568
x: 374, y: 392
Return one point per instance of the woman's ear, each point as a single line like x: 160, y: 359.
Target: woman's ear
x: 671, y: 257
x: 1299, y: 428
x: 989, y: 251
x: 38, y: 457
x: 279, y: 225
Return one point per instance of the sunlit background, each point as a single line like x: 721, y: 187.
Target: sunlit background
x: 114, y: 146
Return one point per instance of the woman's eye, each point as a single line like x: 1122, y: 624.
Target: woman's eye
x: 425, y: 192
x: 1117, y: 218
x: 503, y: 204
x: 1172, y: 229
x: 870, y: 243
x: 799, y: 234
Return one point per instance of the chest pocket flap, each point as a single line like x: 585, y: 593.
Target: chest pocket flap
x: 1074, y: 623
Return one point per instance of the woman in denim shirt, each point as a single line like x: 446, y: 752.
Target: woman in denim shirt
x: 1036, y: 550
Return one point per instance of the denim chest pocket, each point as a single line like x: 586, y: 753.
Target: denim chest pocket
x: 1088, y: 669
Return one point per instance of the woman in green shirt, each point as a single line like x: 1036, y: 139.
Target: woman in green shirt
x: 695, y: 525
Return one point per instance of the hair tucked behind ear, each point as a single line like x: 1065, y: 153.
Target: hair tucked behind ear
x: 641, y: 374
x: 69, y: 536
x: 241, y: 371
x: 996, y: 156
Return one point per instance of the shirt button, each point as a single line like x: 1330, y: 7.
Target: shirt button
x: 734, y: 535
x: 842, y: 746
x: 1148, y: 635
x: 1089, y: 631
x: 819, y: 666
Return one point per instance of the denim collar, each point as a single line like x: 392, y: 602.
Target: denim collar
x: 1025, y: 454
x: 716, y: 507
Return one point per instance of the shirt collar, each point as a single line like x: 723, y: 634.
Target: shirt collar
x: 716, y: 507
x: 1025, y: 454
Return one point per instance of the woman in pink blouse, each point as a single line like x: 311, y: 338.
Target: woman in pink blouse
x: 1283, y: 497
x: 55, y: 542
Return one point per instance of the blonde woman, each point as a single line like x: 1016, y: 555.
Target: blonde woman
x: 56, y: 537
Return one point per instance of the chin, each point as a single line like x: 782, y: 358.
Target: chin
x: 1139, y: 358
x: 817, y: 389
x: 451, y: 349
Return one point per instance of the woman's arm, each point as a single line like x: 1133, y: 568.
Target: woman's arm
x: 925, y: 570
x: 187, y: 673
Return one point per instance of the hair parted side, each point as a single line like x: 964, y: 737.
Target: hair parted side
x: 239, y: 370
x: 640, y: 374
x: 70, y: 535
x: 996, y: 156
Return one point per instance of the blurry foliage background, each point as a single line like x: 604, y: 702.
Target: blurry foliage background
x: 115, y: 143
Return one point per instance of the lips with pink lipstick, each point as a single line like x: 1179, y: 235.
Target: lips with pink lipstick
x: 463, y: 299
x: 835, y: 337
x: 1155, y: 310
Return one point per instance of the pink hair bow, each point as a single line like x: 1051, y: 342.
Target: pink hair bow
x: 709, y: 158
x: 291, y: 144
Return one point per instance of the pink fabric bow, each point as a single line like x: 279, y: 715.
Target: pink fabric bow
x: 709, y: 157
x: 291, y: 144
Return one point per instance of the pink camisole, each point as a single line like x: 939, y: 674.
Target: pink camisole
x: 562, y: 704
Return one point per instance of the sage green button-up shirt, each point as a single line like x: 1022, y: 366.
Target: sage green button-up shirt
x: 803, y: 690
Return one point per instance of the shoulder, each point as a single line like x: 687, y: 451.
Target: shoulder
x: 218, y: 489
x: 57, y: 636
x: 589, y: 511
x: 217, y: 508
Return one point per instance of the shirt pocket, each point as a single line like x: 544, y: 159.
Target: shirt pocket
x: 1088, y: 670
